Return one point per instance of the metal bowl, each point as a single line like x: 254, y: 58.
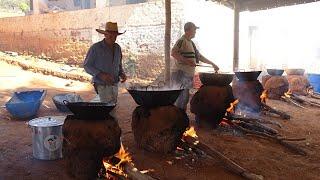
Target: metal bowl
x: 275, y: 72
x: 215, y: 79
x: 247, y: 75
x: 154, y: 98
x: 295, y: 71
x: 94, y: 110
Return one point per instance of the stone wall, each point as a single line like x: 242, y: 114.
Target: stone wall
x: 66, y: 36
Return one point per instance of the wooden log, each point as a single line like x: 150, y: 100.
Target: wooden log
x: 303, y: 100
x: 249, y: 119
x: 131, y: 172
x: 228, y: 163
x: 257, y: 127
x: 134, y: 174
x: 289, y: 100
x: 272, y: 110
x: 276, y: 138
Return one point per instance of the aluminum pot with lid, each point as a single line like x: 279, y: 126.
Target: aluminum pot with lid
x: 47, y: 137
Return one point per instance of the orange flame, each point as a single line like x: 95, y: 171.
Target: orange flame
x: 123, y: 156
x: 288, y: 93
x: 264, y: 96
x: 191, y: 132
x: 232, y: 106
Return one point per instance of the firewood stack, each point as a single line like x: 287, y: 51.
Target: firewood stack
x: 86, y: 142
x: 275, y: 86
x: 209, y: 104
x: 159, y: 129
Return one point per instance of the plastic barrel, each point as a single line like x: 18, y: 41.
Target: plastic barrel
x: 314, y: 80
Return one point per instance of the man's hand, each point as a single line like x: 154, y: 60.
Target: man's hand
x: 215, y: 67
x: 107, y: 78
x: 123, y: 78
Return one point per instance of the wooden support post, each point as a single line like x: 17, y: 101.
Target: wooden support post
x: 236, y: 36
x: 167, y: 41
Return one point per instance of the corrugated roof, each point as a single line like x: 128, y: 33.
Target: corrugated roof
x: 256, y: 5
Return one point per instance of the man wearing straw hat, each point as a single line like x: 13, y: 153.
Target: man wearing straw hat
x: 104, y: 63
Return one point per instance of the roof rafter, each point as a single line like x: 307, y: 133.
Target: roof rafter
x: 256, y: 5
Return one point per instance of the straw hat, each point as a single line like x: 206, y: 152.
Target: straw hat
x: 110, y: 27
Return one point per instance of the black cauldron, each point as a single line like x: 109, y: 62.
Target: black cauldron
x: 275, y: 72
x: 91, y: 110
x: 215, y: 79
x: 247, y: 75
x: 154, y: 98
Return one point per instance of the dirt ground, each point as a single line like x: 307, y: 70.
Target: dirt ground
x: 259, y: 156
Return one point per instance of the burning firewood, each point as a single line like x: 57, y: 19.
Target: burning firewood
x: 120, y: 166
x: 190, y: 138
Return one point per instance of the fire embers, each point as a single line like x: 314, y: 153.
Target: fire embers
x: 159, y: 129
x: 248, y: 93
x: 275, y: 86
x: 209, y: 104
x: 86, y: 143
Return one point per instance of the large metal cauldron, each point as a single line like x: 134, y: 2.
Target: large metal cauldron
x: 215, y: 79
x: 90, y: 110
x: 247, y: 75
x: 275, y: 72
x: 47, y: 137
x: 154, y: 97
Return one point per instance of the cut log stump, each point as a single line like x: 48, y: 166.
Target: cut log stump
x: 85, y: 144
x: 159, y: 129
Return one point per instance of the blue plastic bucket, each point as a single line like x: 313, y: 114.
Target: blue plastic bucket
x: 314, y: 80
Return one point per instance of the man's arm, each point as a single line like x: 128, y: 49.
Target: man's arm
x: 205, y: 60
x: 89, y: 63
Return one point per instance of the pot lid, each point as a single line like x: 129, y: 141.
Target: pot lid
x: 47, y: 121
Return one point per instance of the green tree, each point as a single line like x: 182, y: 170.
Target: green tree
x: 23, y: 5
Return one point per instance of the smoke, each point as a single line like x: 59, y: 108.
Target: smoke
x: 151, y: 87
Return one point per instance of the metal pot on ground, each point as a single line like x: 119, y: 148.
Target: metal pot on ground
x: 47, y: 137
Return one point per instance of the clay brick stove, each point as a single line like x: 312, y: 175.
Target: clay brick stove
x: 211, y: 101
x: 157, y: 124
x: 247, y: 89
x: 89, y: 135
